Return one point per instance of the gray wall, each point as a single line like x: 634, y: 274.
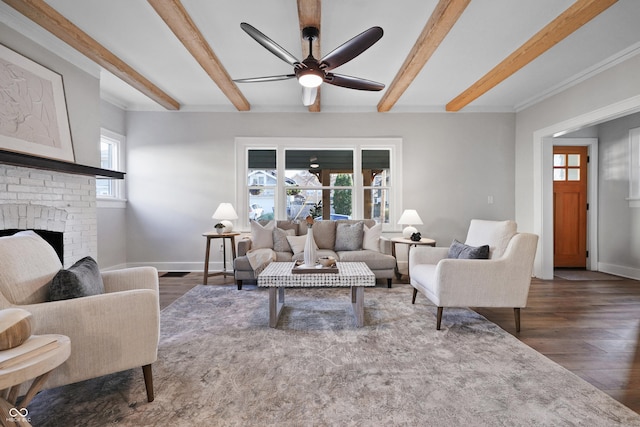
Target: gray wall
x: 181, y: 165
x: 610, y: 94
x: 618, y: 224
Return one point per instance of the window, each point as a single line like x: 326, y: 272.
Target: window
x: 634, y: 167
x: 289, y: 179
x: 112, y: 158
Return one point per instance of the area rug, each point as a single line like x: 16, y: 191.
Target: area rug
x: 583, y: 275
x: 221, y: 365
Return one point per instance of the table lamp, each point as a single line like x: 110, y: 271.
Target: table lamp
x: 409, y: 217
x: 224, y: 214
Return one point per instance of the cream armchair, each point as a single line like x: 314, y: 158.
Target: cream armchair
x: 110, y: 332
x: 501, y: 281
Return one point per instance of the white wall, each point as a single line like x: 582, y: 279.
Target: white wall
x: 182, y: 165
x: 608, y: 95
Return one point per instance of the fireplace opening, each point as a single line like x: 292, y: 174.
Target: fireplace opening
x: 54, y: 238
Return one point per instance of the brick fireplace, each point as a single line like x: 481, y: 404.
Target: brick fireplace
x: 36, y: 199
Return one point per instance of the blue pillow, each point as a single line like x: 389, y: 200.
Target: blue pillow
x: 80, y: 280
x: 461, y: 251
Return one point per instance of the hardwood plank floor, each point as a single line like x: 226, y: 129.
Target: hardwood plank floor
x: 592, y: 328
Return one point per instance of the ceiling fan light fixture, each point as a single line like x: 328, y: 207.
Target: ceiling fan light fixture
x: 310, y: 78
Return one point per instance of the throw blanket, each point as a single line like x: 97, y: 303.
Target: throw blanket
x: 260, y: 258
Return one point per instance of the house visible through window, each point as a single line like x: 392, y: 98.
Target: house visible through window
x: 112, y: 158
x: 352, y: 181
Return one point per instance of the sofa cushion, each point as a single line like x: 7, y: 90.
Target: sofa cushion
x: 280, y: 242
x: 82, y: 279
x: 371, y: 237
x: 297, y: 243
x: 461, y: 251
x: 324, y: 233
x: 496, y: 234
x: 262, y: 236
x: 349, y: 236
x: 27, y: 265
x: 286, y: 224
x: 374, y: 260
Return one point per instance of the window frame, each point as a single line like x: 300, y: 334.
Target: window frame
x: 357, y: 145
x: 634, y: 168
x: 118, y: 199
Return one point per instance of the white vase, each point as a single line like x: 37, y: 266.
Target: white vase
x: 310, y: 250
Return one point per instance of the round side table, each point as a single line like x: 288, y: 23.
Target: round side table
x: 422, y: 242
x: 34, y: 359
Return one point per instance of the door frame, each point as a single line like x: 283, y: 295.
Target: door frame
x: 592, y: 192
x: 542, y: 174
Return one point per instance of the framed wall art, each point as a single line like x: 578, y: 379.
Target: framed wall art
x: 33, y: 109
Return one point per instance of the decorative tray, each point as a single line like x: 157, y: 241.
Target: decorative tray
x: 300, y: 268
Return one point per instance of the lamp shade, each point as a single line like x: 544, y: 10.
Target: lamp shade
x: 409, y: 218
x: 224, y: 214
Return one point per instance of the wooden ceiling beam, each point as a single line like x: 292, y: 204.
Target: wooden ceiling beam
x: 309, y: 15
x: 577, y: 15
x: 443, y: 18
x: 48, y: 18
x: 178, y: 20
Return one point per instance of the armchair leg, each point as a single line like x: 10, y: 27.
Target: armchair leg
x: 516, y: 313
x: 439, y: 318
x: 148, y: 382
x: 415, y: 292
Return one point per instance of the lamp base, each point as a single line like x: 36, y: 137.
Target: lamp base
x: 408, y: 231
x: 228, y: 226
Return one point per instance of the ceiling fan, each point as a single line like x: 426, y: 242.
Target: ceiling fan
x: 311, y: 73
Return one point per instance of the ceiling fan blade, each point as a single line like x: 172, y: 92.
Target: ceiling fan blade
x: 269, y: 44
x: 352, y: 82
x: 309, y: 95
x: 265, y: 79
x: 352, y: 48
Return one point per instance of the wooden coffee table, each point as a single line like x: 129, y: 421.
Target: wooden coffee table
x: 278, y: 276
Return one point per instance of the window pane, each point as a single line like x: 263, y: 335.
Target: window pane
x: 107, y: 154
x: 574, y: 174
x: 261, y: 203
x: 559, y: 175
x: 574, y: 160
x: 375, y: 168
x: 104, y: 187
x: 376, y: 203
x: 304, y: 203
x: 559, y: 160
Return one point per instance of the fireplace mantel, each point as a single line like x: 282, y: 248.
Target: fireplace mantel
x: 26, y: 160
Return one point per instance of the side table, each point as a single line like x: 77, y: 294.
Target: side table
x: 35, y: 358
x: 224, y: 236
x: 395, y: 240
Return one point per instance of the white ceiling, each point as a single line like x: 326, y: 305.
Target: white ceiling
x: 486, y: 33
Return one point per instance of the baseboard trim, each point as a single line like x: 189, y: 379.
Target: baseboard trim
x: 619, y: 270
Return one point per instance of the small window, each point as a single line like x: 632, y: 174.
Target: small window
x: 111, y: 158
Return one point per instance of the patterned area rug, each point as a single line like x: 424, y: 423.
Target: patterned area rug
x: 221, y: 365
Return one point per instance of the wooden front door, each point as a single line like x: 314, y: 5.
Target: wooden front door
x: 570, y: 206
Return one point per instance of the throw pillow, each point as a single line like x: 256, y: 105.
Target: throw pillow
x: 262, y: 236
x: 82, y: 279
x: 297, y: 243
x: 280, y: 242
x: 461, y: 251
x: 349, y: 236
x: 371, y: 237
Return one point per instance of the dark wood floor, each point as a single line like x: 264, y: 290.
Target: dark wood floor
x: 592, y: 328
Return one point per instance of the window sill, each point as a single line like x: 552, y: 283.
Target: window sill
x: 111, y: 203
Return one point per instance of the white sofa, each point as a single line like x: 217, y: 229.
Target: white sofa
x: 501, y: 281
x: 110, y: 332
